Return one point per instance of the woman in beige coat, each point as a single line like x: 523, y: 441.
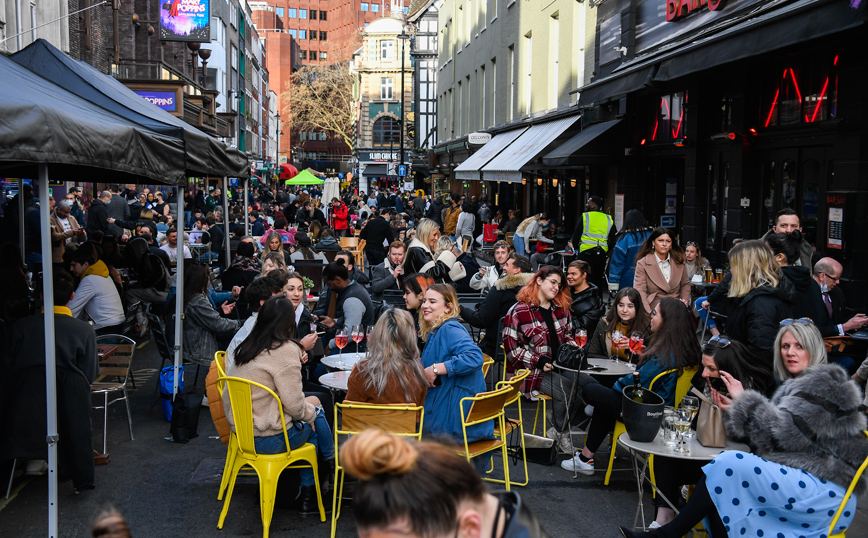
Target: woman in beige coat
x: 660, y: 270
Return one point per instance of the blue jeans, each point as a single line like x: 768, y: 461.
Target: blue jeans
x: 518, y: 243
x: 703, y: 313
x: 322, y: 439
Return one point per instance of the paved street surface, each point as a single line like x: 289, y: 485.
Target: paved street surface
x: 166, y: 489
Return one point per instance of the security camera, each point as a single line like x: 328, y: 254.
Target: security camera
x: 622, y: 50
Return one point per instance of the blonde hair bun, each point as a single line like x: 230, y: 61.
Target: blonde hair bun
x: 374, y: 452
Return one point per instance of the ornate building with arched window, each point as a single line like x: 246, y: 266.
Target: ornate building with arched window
x: 384, y: 106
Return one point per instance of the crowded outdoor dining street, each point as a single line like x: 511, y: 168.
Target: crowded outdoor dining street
x: 433, y: 269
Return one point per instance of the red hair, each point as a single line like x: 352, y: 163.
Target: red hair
x: 530, y: 292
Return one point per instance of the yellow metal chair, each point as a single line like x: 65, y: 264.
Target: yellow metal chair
x: 682, y: 387
x: 514, y: 385
x: 486, y: 365
x: 267, y: 466
x: 354, y: 417
x: 220, y: 362
x: 846, y: 498
x: 485, y: 407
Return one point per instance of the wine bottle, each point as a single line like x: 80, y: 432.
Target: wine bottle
x: 638, y: 391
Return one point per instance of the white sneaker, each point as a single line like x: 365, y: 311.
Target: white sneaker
x: 589, y: 410
x: 654, y: 525
x: 575, y: 464
x: 204, y: 401
x: 553, y: 433
x: 36, y: 467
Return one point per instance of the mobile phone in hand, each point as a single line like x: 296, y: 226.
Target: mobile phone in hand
x: 438, y: 381
x: 718, y: 385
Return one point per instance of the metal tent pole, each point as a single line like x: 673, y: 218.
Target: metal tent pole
x: 179, y: 293
x: 228, y: 259
x: 246, y: 208
x: 21, y: 219
x: 50, y: 373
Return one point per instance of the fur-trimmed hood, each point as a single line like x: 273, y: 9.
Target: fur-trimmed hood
x: 513, y: 281
x: 812, y: 423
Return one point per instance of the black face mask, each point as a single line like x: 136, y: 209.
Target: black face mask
x: 503, y: 506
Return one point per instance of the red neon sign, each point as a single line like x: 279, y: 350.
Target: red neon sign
x: 676, y: 9
x: 818, y: 101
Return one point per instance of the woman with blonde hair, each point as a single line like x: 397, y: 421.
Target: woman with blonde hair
x: 530, y: 229
x: 759, y: 297
x: 453, y: 366
x: 273, y: 243
x: 392, y: 372
x: 420, y: 258
x: 398, y: 477
x: 797, y: 334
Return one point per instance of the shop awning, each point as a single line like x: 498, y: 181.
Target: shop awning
x: 375, y: 170
x: 470, y: 168
x: 506, y: 166
x: 576, y: 149
x: 778, y: 28
x: 773, y: 26
x: 204, y: 154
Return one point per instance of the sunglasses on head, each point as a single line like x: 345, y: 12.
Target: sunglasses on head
x: 801, y: 321
x: 719, y: 342
x: 692, y: 244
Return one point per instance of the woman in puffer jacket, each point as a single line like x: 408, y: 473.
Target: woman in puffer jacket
x: 420, y: 257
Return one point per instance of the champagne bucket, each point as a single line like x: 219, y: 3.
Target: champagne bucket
x: 642, y: 419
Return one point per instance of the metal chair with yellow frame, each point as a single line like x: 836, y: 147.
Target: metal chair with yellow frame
x: 267, y: 466
x: 514, y: 385
x: 682, y: 387
x: 220, y: 363
x: 354, y: 417
x: 847, y: 498
x: 485, y: 407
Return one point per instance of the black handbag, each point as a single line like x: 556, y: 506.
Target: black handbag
x: 185, y: 416
x: 572, y: 357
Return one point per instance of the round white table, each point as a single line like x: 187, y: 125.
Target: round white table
x: 335, y: 380
x: 604, y: 366
x: 657, y: 447
x: 349, y: 360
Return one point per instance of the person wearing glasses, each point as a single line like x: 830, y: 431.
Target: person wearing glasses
x: 673, y: 345
x: 759, y: 297
x: 827, y: 274
x: 533, y: 330
x: 718, y: 355
x: 806, y: 442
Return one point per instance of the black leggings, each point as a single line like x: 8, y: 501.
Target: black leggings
x: 607, y: 409
x: 699, y: 507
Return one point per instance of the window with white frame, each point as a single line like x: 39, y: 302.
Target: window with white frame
x: 292, y: 32
x: 292, y: 13
x: 279, y: 11
x: 387, y: 50
x: 375, y: 7
x: 387, y: 88
x: 323, y: 55
x: 234, y: 59
x: 302, y: 34
x: 233, y: 17
x: 322, y: 136
x: 302, y: 13
x: 364, y: 6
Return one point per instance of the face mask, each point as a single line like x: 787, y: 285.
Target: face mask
x: 68, y: 203
x: 546, y: 225
x: 107, y: 203
x: 824, y: 289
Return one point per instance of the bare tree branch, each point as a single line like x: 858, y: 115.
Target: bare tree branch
x: 320, y: 98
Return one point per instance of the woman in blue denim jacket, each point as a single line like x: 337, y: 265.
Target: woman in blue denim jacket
x: 623, y: 263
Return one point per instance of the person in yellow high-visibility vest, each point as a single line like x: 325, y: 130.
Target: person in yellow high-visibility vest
x: 595, y: 235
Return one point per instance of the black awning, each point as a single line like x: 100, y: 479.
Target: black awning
x: 205, y: 155
x: 375, y: 170
x: 782, y: 27
x: 42, y: 123
x: 616, y: 85
x: 579, y: 148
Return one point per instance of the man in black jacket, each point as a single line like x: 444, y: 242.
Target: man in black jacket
x: 377, y: 233
x: 388, y: 275
x: 98, y: 218
x: 499, y: 300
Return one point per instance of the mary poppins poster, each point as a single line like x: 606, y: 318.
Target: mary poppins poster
x: 185, y: 20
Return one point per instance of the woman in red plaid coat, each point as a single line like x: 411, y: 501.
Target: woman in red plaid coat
x: 533, y: 331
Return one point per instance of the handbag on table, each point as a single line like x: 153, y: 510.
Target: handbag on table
x: 710, y: 431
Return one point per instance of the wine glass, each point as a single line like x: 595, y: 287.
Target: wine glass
x: 368, y: 333
x: 690, y: 405
x: 341, y: 340
x: 581, y: 337
x: 616, y: 338
x: 682, y: 426
x: 635, y: 344
x: 358, y: 336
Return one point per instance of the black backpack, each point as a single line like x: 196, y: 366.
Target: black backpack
x: 149, y: 269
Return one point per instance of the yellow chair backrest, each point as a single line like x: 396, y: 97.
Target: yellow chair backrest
x: 398, y: 419
x: 485, y: 406
x: 487, y: 361
x: 514, y: 385
x: 847, y: 497
x: 220, y: 363
x: 682, y: 383
x: 242, y: 410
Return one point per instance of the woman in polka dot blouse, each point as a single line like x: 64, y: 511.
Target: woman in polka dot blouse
x: 807, y: 443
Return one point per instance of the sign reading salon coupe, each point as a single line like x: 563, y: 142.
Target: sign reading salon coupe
x: 165, y: 100
x: 185, y: 20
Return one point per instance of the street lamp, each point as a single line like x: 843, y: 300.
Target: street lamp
x: 403, y: 36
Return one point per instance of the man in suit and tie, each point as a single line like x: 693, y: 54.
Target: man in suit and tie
x: 827, y: 273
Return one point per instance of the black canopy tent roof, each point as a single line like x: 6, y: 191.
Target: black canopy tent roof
x: 205, y: 155
x: 42, y: 123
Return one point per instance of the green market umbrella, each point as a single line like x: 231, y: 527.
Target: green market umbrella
x: 304, y: 178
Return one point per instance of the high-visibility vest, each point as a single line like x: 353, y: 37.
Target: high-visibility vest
x: 595, y: 231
